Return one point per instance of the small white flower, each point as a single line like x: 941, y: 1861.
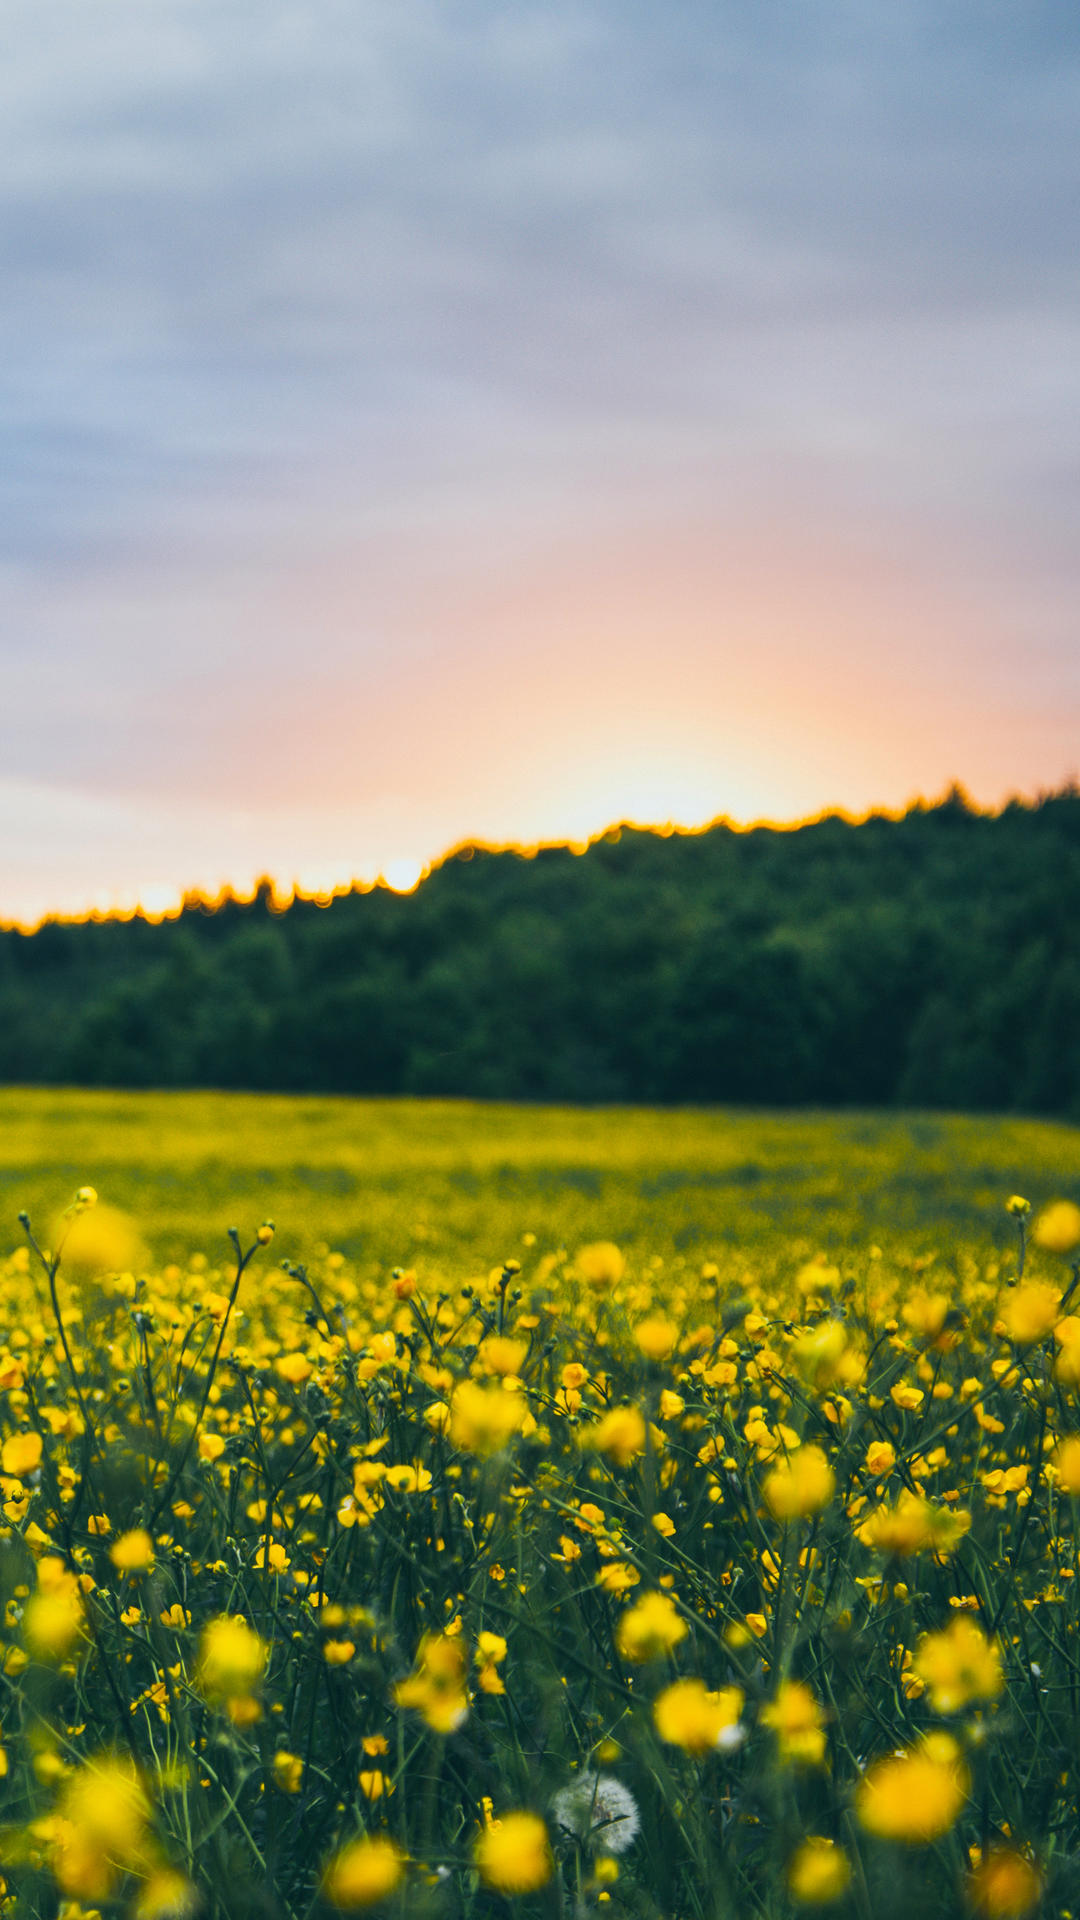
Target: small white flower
x: 730, y: 1737
x: 598, y: 1809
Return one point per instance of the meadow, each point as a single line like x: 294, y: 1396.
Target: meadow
x: 461, y: 1510
x: 458, y: 1182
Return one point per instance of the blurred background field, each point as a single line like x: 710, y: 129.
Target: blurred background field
x: 449, y: 1185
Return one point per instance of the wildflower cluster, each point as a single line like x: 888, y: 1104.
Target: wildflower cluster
x: 690, y: 1591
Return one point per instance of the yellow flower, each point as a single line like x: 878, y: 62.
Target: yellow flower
x: 616, y: 1577
x: 338, y: 1653
x: 1017, y: 1205
x: 167, y: 1895
x: 104, y: 1815
x: 513, y: 1854
x: 484, y: 1419
x: 601, y: 1265
x: 232, y: 1659
x: 620, y: 1434
x: 1067, y: 1461
x: 272, y: 1557
x: 688, y: 1716
x: 1029, y: 1311
x: 97, y: 1241
x: 20, y: 1455
x: 908, y: 1398
x: 656, y: 1337
x: 818, y: 1871
x: 490, y: 1652
x: 288, y: 1771
x: 502, y: 1355
x: 1005, y: 1886
x: 1067, y: 1340
x: 880, y: 1458
x: 53, y: 1618
x: 916, y: 1796
x: 817, y: 1352
x: 405, y: 1479
x: 925, y: 1313
x: 133, y: 1552
x: 914, y: 1525
x: 436, y: 1687
x: 12, y: 1372
x: 817, y: 1276
x: 363, y: 1873
x: 1057, y: 1229
x: 796, y: 1719
x: 800, y: 1485
x: 294, y: 1368
x: 650, y: 1628
x: 959, y: 1665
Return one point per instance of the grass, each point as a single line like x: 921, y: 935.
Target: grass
x: 455, y: 1182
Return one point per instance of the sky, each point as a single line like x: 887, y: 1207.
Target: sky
x: 429, y: 420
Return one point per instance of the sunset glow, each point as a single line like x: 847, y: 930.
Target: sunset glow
x: 157, y: 902
x: 519, y: 423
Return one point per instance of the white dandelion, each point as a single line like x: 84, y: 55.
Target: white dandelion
x: 731, y: 1737
x: 599, y: 1810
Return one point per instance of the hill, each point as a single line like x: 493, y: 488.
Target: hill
x: 930, y: 960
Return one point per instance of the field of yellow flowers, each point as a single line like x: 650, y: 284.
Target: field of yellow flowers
x: 687, y: 1544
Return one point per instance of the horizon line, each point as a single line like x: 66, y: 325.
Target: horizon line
x: 281, y: 897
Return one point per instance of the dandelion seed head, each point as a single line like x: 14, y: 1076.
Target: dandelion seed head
x: 599, y: 1810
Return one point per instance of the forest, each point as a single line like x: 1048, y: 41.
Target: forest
x: 930, y: 960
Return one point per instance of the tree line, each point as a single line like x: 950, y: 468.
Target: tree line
x: 931, y: 960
